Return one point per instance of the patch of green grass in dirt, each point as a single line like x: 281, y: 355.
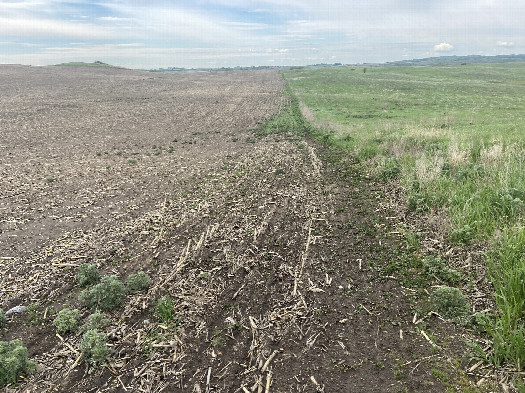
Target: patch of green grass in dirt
x: 288, y: 121
x: 453, y: 138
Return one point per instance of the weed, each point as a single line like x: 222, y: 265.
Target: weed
x: 450, y: 303
x: 88, y: 274
x: 379, y: 364
x: 218, y: 339
x: 3, y: 319
x: 14, y: 362
x: 67, y: 320
x: 418, y: 202
x: 440, y: 375
x: 412, y: 240
x: 437, y: 268
x: 94, y: 348
x: 34, y: 316
x: 108, y: 294
x: 462, y: 235
x: 132, y: 162
x: 390, y: 169
x: 49, y: 180
x: 138, y: 282
x: 164, y: 309
x: 95, y: 321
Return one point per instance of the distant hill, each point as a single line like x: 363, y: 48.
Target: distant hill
x: 458, y: 60
x: 83, y: 64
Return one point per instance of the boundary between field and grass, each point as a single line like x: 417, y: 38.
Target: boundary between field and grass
x: 485, y: 202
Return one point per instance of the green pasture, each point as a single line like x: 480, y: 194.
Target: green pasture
x: 454, y: 137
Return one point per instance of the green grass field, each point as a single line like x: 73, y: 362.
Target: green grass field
x: 453, y: 136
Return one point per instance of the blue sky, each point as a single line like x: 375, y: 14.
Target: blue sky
x: 217, y: 33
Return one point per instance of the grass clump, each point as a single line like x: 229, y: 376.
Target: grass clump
x: 507, y: 271
x: 67, y: 321
x: 108, y: 294
x: 138, y: 282
x: 450, y: 303
x: 94, y: 348
x: 14, y: 362
x: 164, y: 309
x: 88, y: 274
x: 3, y: 319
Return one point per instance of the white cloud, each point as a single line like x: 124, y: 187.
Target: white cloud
x: 505, y: 44
x: 29, y: 27
x: 443, y: 47
x: 113, y: 19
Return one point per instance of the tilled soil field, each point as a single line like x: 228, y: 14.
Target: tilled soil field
x: 267, y: 247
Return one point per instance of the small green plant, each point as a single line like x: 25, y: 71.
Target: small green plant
x: 96, y: 321
x: 164, y: 309
x: 67, y: 321
x: 14, y: 362
x: 450, y: 303
x: 138, y: 282
x: 218, y: 339
x: 94, y: 348
x: 34, y: 315
x: 108, y: 294
x: 462, y: 235
x: 3, y: 319
x: 391, y: 169
x: 437, y: 268
x: 49, y: 180
x: 419, y: 202
x: 88, y: 274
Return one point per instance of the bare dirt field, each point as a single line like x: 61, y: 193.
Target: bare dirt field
x: 268, y: 247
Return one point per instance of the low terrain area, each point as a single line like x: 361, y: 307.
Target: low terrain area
x: 273, y: 258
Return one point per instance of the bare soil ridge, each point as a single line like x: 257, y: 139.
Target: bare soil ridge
x: 268, y: 246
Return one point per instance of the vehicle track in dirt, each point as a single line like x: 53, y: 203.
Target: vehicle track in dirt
x: 269, y: 246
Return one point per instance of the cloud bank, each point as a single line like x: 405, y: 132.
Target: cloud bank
x: 209, y: 33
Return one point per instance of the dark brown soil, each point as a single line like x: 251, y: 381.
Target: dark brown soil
x: 271, y: 248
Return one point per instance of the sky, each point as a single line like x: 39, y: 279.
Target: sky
x: 227, y: 33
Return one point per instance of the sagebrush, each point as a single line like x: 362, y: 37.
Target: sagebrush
x: 108, y: 294
x: 14, y: 362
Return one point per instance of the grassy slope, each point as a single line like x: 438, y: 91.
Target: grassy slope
x: 453, y: 136
x: 83, y: 64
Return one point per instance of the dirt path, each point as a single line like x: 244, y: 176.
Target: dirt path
x: 271, y: 247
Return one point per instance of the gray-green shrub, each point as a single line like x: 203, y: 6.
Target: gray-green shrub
x: 67, y: 320
x: 96, y: 321
x: 450, y: 303
x: 94, y: 348
x: 138, y: 281
x: 14, y: 362
x: 88, y: 274
x: 108, y: 294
